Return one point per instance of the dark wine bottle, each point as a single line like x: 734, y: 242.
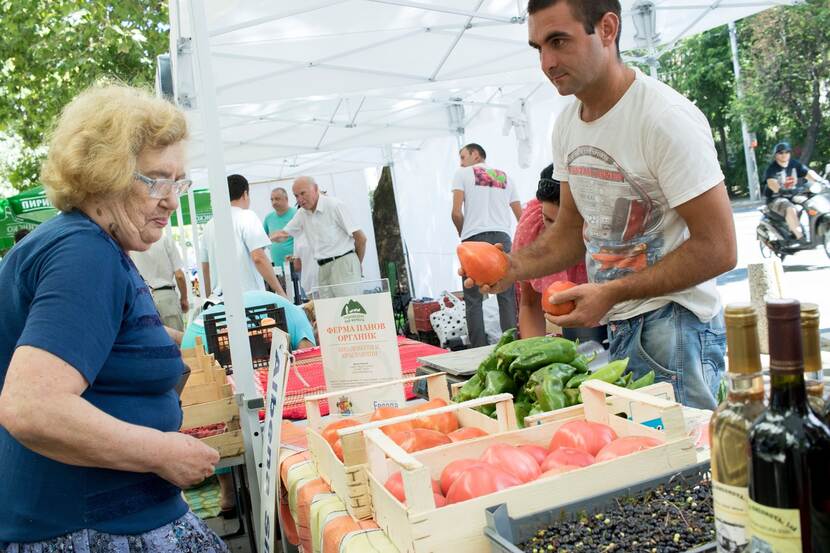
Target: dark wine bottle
x: 729, y: 427
x: 811, y: 346
x: 789, y: 489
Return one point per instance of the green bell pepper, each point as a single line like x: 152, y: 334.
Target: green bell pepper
x: 581, y: 363
x: 535, y: 410
x: 507, y: 336
x: 522, y: 409
x: 497, y: 382
x: 576, y: 380
x: 549, y: 393
x: 470, y: 390
x: 625, y: 380
x: 572, y: 397
x: 645, y: 380
x: 488, y: 410
x: 561, y: 371
x: 610, y: 372
x: 487, y: 364
x: 523, y: 356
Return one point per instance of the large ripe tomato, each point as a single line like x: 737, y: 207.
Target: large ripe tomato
x: 466, y: 433
x: 539, y: 453
x: 445, y: 422
x: 383, y: 413
x: 625, y: 446
x: 329, y: 433
x: 520, y: 464
x: 482, y: 262
x: 337, y: 447
x: 585, y: 435
x: 454, y: 469
x: 418, y: 439
x: 439, y: 499
x: 556, y: 471
x: 557, y: 308
x: 480, y: 480
x: 395, y: 486
x: 567, y: 456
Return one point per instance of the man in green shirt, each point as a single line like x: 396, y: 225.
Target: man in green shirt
x: 275, y: 221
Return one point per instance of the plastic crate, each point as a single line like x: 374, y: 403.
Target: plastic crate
x: 505, y: 532
x: 423, y: 309
x: 259, y: 336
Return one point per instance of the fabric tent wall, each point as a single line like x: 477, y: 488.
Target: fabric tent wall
x: 422, y: 187
x: 352, y: 188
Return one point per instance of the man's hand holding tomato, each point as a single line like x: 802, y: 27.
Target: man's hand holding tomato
x: 592, y: 302
x: 510, y: 276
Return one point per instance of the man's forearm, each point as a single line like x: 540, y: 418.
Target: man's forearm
x: 360, y: 249
x: 558, y: 248
x: 265, y: 269
x: 206, y: 289
x: 458, y: 221
x: 182, y: 284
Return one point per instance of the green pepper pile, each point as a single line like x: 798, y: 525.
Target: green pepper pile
x: 542, y: 373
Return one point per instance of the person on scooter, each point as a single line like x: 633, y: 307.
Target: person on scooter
x: 782, y: 178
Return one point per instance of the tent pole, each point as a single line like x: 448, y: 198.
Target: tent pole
x: 225, y: 244
x: 194, y: 231
x: 749, y: 153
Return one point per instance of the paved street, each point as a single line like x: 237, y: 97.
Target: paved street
x: 806, y: 274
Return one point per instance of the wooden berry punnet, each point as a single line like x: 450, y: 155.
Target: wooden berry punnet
x: 347, y: 476
x: 209, y: 407
x: 420, y: 527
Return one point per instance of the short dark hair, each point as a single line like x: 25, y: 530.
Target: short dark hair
x: 473, y: 147
x: 21, y: 234
x: 587, y: 12
x: 280, y: 189
x: 548, y: 189
x: 237, y: 186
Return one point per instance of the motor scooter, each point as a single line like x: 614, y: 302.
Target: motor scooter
x: 812, y: 204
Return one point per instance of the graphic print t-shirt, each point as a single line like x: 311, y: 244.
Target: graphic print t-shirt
x: 627, y: 171
x: 488, y: 194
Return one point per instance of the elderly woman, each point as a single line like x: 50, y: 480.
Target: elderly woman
x: 89, y: 448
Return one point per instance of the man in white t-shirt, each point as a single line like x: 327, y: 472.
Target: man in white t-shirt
x: 162, y: 269
x: 642, y: 200
x: 485, y: 205
x: 251, y: 242
x: 337, y: 243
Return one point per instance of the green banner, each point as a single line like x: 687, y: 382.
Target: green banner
x: 204, y: 213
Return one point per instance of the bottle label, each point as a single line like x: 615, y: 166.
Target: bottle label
x: 731, y: 517
x: 774, y: 530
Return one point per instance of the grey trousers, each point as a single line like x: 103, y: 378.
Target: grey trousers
x: 170, y: 311
x: 473, y: 297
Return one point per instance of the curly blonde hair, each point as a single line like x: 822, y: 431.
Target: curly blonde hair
x: 97, y: 138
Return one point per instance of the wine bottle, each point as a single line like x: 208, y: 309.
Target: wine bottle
x: 811, y: 346
x: 729, y: 427
x: 789, y: 491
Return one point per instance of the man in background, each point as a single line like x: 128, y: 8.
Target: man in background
x: 482, y: 201
x: 337, y: 242
x: 162, y: 269
x: 254, y: 266
x: 276, y: 221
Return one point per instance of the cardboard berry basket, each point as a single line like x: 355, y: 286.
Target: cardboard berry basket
x: 343, y: 476
x: 420, y: 527
x: 210, y: 411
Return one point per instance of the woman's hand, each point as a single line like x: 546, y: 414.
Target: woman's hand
x: 185, y: 461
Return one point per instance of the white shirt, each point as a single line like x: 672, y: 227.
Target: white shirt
x: 249, y: 236
x: 627, y: 172
x: 308, y: 276
x: 328, y: 228
x: 158, y: 264
x: 488, y: 194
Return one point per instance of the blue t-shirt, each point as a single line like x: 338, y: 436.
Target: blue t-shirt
x: 295, y: 318
x: 72, y: 291
x: 273, y: 223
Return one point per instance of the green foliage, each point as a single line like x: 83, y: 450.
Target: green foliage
x: 52, y: 49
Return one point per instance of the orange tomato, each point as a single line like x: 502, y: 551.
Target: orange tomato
x: 482, y: 262
x: 337, y: 447
x: 557, y: 309
x: 383, y: 413
x: 418, y: 439
x: 444, y: 423
x: 330, y: 431
x: 466, y: 433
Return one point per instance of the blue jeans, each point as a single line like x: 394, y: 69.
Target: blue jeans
x: 679, y: 348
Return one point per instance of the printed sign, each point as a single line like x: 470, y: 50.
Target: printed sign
x: 359, y: 346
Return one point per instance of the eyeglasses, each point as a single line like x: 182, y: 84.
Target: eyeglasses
x: 161, y: 188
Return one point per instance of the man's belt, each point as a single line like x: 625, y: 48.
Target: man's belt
x: 162, y: 288
x: 322, y: 262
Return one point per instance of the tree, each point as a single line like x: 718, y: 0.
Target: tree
x: 52, y: 49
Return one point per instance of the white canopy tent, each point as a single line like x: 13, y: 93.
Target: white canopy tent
x: 323, y: 87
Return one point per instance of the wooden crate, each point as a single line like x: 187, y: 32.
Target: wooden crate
x: 420, y: 528
x: 207, y: 399
x: 341, y: 476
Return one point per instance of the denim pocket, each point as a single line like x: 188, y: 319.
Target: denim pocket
x: 712, y: 352
x: 655, y: 346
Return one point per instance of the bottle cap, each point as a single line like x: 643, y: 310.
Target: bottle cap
x: 811, y: 338
x: 743, y: 350
x: 784, y: 333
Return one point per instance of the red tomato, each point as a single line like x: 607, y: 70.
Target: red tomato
x: 395, y: 486
x: 539, y: 453
x: 625, y: 446
x: 383, y: 413
x: 585, y: 435
x: 454, y: 469
x: 556, y: 471
x: 557, y: 308
x: 444, y: 423
x: 440, y: 500
x: 418, y: 439
x: 478, y: 481
x: 337, y: 447
x: 520, y: 464
x: 482, y: 262
x: 567, y: 456
x: 466, y: 433
x: 329, y: 433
